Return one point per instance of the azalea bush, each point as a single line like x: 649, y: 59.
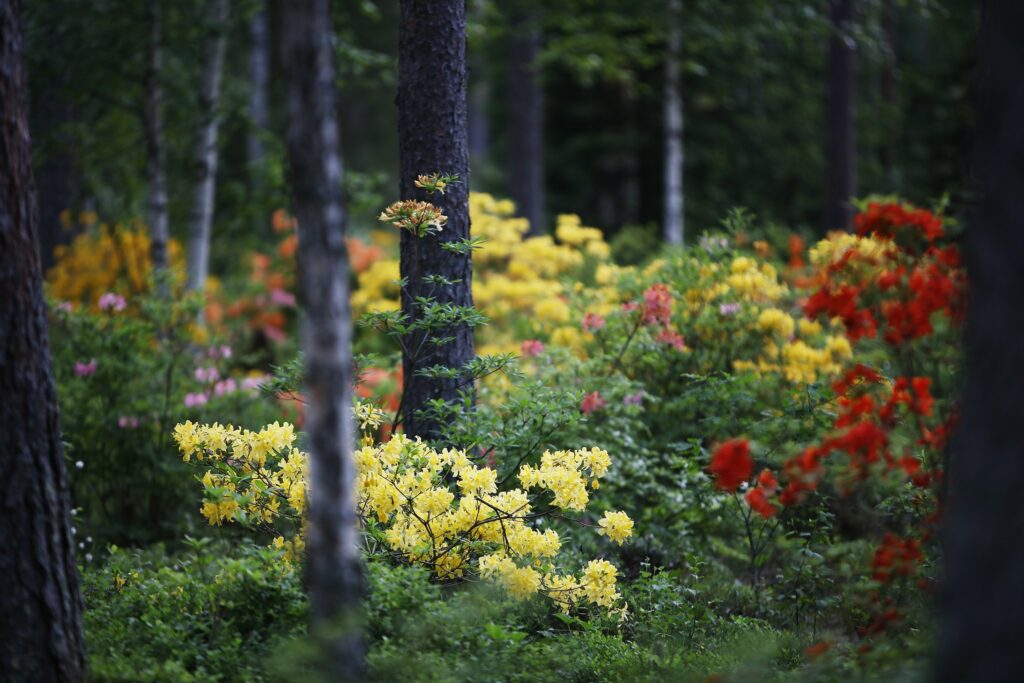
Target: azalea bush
x: 430, y: 507
x: 126, y: 373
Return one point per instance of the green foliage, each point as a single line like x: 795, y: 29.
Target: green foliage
x: 212, y: 614
x: 123, y: 380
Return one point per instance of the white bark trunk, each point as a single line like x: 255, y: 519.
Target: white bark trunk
x: 674, y: 157
x: 159, y: 227
x: 206, y: 150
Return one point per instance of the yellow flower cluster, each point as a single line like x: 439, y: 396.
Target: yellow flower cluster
x: 520, y: 281
x: 107, y: 259
x: 376, y: 289
x: 833, y: 247
x: 258, y: 476
x: 432, y: 507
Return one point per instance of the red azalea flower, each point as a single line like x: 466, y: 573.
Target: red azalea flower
x: 758, y: 502
x: 731, y: 464
x: 592, y: 402
x: 657, y: 308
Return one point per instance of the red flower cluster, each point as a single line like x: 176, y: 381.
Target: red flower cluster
x: 657, y: 306
x: 757, y: 497
x: 913, y: 285
x: 842, y: 302
x: 886, y: 220
x: 593, y: 402
x: 731, y: 464
x: 895, y: 557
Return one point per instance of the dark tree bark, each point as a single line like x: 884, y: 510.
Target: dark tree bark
x: 479, y: 125
x: 156, y: 155
x: 525, y: 104
x: 432, y: 137
x: 983, y: 596
x: 56, y: 177
x: 206, y: 150
x: 40, y: 605
x: 335, y: 579
x: 259, y: 84
x: 890, y: 91
x: 840, y: 142
x: 674, y: 158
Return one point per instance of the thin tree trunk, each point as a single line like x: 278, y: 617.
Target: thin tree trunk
x: 983, y: 596
x: 525, y: 101
x: 40, y: 605
x: 206, y: 150
x: 890, y: 93
x: 674, y: 157
x: 156, y: 156
x: 432, y: 137
x: 335, y: 579
x: 259, y: 83
x: 479, y: 125
x: 840, y: 144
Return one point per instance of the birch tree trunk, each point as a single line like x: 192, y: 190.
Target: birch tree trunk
x: 206, y: 150
x: 674, y: 158
x: 40, y: 605
x: 432, y: 137
x: 335, y: 579
x: 982, y: 605
x: 525, y: 102
x: 840, y: 142
x: 156, y: 155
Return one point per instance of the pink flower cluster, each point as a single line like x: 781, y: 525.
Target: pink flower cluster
x: 128, y: 422
x: 217, y: 352
x: 112, y: 302
x: 593, y: 322
x: 531, y: 347
x: 195, y: 399
x: 85, y: 369
x: 208, y: 374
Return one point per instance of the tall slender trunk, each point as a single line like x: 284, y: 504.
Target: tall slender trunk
x: 56, y: 176
x: 40, y: 605
x: 432, y: 137
x: 259, y: 83
x: 206, y: 150
x: 525, y: 102
x: 674, y: 156
x: 156, y: 155
x: 983, y: 596
x: 479, y: 126
x: 890, y: 93
x: 840, y: 143
x: 314, y: 152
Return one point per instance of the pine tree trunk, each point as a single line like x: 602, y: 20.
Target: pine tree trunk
x: 335, y: 579
x: 674, y: 158
x: 432, y: 137
x: 40, y: 605
x: 156, y: 156
x: 206, y: 150
x: 840, y: 144
x: 525, y: 102
x: 259, y: 83
x: 983, y: 596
